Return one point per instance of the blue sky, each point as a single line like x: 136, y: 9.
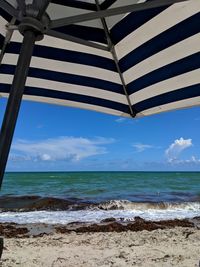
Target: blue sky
x: 57, y: 138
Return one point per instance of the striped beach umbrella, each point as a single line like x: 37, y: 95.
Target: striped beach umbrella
x: 129, y: 58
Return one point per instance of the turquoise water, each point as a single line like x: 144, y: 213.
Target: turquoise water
x: 94, y: 196
x: 102, y: 186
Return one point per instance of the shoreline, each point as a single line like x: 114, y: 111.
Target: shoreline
x: 14, y: 230
x: 35, y: 209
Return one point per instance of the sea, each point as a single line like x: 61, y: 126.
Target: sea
x: 67, y: 197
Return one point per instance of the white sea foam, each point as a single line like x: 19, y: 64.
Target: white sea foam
x: 151, y: 212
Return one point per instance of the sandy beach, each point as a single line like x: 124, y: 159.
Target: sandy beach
x: 179, y: 246
x: 99, y: 229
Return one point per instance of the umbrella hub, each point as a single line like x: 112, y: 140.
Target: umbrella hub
x: 39, y: 27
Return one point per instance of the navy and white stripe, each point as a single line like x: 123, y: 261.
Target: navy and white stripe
x: 158, y: 53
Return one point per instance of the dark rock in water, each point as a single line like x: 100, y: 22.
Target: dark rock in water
x: 108, y: 220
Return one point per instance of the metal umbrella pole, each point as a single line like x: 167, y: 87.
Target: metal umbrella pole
x: 32, y: 28
x: 15, y: 97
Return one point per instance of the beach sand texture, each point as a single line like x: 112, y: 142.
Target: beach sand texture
x: 159, y: 248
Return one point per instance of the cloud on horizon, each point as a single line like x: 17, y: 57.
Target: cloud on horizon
x: 193, y: 161
x: 60, y: 148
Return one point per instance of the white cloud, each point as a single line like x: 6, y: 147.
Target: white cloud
x: 126, y: 120
x: 45, y: 157
x: 141, y: 147
x: 17, y: 157
x: 61, y: 148
x: 195, y: 160
x: 120, y: 120
x: 192, y: 161
x: 177, y: 147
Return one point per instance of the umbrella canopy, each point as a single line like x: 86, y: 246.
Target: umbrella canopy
x: 129, y: 58
x: 132, y: 63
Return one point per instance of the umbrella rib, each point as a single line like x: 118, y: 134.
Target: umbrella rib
x: 41, y: 6
x: 8, y: 8
x: 7, y: 39
x: 115, y: 58
x: 111, y: 12
x: 74, y: 39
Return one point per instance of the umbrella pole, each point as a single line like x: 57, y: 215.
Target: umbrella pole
x: 15, y: 97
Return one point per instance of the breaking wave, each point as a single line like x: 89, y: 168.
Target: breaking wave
x: 65, y: 211
x: 128, y: 205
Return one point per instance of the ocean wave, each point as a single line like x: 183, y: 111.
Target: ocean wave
x: 122, y: 211
x: 37, y: 203
x: 128, y: 205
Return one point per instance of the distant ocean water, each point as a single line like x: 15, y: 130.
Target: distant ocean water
x: 64, y: 197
